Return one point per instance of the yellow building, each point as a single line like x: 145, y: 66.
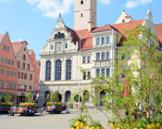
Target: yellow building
x: 90, y: 47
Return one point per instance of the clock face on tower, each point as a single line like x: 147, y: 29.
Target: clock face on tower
x: 58, y: 47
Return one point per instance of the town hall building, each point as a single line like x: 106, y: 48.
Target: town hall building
x: 88, y: 46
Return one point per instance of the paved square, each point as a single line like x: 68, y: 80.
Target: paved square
x: 44, y: 121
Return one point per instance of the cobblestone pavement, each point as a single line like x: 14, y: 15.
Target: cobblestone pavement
x: 45, y: 121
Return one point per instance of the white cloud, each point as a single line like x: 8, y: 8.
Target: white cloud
x: 145, y: 1
x: 104, y: 1
x: 131, y: 4
x: 52, y: 8
x: 5, y: 0
x: 19, y: 39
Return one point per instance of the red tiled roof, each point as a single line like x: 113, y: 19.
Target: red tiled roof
x: 102, y: 28
x: 129, y: 25
x: 16, y: 46
x: 86, y: 39
x: 158, y: 28
x: 1, y: 36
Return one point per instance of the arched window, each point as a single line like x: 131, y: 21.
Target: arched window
x: 67, y: 96
x: 58, y: 70
x: 102, y: 98
x: 66, y: 45
x: 123, y: 20
x: 48, y: 70
x: 81, y: 2
x: 51, y: 47
x: 68, y: 69
x: 86, y: 95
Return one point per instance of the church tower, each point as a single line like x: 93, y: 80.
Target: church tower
x: 84, y: 11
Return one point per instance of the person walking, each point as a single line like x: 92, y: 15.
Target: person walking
x: 53, y: 107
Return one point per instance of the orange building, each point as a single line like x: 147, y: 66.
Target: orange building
x: 25, y: 70
x: 8, y: 68
x: 36, y: 64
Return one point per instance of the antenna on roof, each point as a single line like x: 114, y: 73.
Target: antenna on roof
x: 60, y: 15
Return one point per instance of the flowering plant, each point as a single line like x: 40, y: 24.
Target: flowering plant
x: 57, y: 104
x: 6, y: 104
x: 23, y: 105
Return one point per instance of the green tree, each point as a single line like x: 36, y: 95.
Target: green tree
x: 29, y: 97
x: 142, y: 82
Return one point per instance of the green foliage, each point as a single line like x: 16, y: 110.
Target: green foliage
x: 76, y: 98
x: 143, y: 81
x: 47, y: 98
x: 5, y: 98
x: 29, y: 97
x: 55, y: 97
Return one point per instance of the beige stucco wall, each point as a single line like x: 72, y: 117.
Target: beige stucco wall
x: 19, y: 57
x: 88, y: 9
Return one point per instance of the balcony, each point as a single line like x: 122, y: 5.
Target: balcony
x: 102, y: 63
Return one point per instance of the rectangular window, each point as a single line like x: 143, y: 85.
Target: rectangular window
x: 4, y: 47
x: 88, y: 59
x: 28, y: 66
x: 123, y: 57
x: 103, y: 55
x: 84, y: 75
x: 89, y: 75
x: 8, y: 49
x: 103, y: 72
x: 18, y: 74
x: 98, y: 56
x: 22, y: 75
x: 10, y: 85
x: 98, y: 41
x: 2, y: 59
x: 5, y: 60
x: 23, y: 65
x: 18, y: 64
x: 98, y: 72
x: 30, y: 76
x: 103, y: 40
x: 11, y: 74
x: 36, y: 78
x: 9, y: 62
x: 15, y: 74
x: 25, y: 76
x: 7, y: 85
x: 7, y: 72
x: 123, y: 75
x: 2, y: 71
x: 84, y: 59
x: 108, y: 72
x: 1, y: 84
x: 12, y: 63
x: 107, y: 40
x: 107, y: 55
x: 24, y: 57
x: 14, y: 86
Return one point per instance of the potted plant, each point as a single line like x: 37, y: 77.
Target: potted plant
x: 5, y: 102
x: 76, y: 99
x: 55, y: 98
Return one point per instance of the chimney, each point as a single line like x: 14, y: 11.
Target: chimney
x: 90, y: 26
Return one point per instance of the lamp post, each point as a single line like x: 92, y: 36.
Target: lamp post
x: 79, y: 71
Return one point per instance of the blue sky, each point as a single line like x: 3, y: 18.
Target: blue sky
x: 34, y: 20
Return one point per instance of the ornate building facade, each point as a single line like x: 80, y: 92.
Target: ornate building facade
x: 90, y: 47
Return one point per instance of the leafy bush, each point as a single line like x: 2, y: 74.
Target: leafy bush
x: 5, y: 98
x: 29, y: 97
x: 55, y: 97
x: 76, y: 97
